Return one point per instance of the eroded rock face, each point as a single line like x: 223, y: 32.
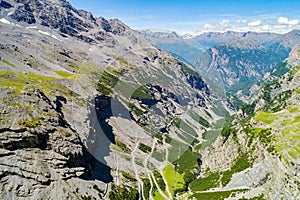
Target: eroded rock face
x: 23, y: 13
x: 197, y: 82
x: 39, y: 147
x: 5, y: 4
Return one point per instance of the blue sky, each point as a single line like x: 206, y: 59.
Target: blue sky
x: 199, y: 16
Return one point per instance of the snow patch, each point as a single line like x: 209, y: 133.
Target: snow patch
x: 4, y: 21
x: 44, y: 32
x: 31, y: 27
x: 18, y: 25
x: 55, y: 37
x: 10, y: 13
x: 48, y: 34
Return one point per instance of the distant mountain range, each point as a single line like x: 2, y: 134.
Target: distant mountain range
x: 185, y: 49
x: 216, y: 38
x: 245, y: 59
x: 231, y: 60
x: 207, y: 40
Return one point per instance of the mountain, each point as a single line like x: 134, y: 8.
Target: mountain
x: 231, y: 61
x: 278, y: 71
x: 160, y: 35
x: 239, y: 63
x: 211, y: 39
x: 258, y: 150
x: 62, y: 17
x: 189, y: 47
x: 179, y: 46
x: 90, y: 109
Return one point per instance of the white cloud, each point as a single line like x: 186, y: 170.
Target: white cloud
x: 266, y: 28
x: 254, y: 23
x: 286, y: 21
x: 276, y: 24
x: 218, y: 26
x: 280, y: 26
x: 242, y: 21
x: 209, y: 27
x: 224, y: 23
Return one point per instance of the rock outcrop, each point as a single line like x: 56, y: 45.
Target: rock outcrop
x: 295, y: 53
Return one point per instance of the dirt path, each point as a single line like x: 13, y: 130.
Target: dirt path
x: 158, y: 188
x: 145, y: 163
x: 136, y: 173
x: 166, y: 183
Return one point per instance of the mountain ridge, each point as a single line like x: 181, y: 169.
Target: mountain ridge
x: 208, y: 40
x: 240, y: 63
x: 61, y: 16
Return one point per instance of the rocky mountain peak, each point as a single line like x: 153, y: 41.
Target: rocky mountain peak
x: 57, y: 14
x: 87, y: 14
x: 294, y: 32
x: 104, y: 24
x: 118, y: 27
x: 60, y: 15
x: 161, y: 34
